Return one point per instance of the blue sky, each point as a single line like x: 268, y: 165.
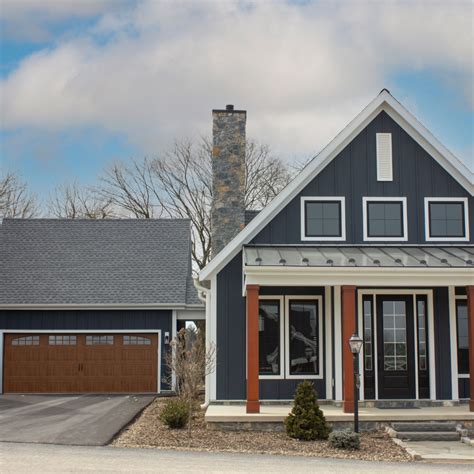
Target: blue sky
x: 87, y: 83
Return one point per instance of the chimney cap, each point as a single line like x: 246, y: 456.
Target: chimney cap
x: 229, y: 107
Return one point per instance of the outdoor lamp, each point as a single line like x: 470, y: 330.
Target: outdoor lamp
x: 356, y: 343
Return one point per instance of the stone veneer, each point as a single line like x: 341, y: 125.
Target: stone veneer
x: 228, y: 170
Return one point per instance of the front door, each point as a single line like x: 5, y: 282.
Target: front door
x: 395, y: 347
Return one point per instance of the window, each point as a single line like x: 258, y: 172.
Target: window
x: 62, y: 340
x: 323, y: 218
x: 303, y: 332
x: 463, y: 339
x: 97, y: 340
x: 269, y: 337
x: 422, y: 335
x: 385, y: 219
x: 136, y: 341
x: 446, y: 219
x: 368, y: 336
x: 26, y: 341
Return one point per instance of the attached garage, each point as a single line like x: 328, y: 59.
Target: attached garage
x: 75, y: 363
x: 90, y: 306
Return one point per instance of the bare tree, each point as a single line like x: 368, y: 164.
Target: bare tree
x: 15, y: 199
x: 185, y: 176
x: 179, y: 184
x: 75, y: 202
x: 190, y: 360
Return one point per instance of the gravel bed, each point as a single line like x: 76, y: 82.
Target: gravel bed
x: 147, y: 431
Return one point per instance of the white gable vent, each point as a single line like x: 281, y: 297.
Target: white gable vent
x: 384, y: 157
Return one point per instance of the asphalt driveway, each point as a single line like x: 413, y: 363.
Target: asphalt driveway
x: 86, y: 420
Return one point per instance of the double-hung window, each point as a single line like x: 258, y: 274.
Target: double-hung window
x: 385, y: 218
x: 290, y: 337
x: 446, y: 219
x: 323, y: 218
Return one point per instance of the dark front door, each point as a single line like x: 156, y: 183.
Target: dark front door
x: 395, y: 347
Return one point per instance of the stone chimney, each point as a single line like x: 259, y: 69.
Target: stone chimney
x: 228, y: 174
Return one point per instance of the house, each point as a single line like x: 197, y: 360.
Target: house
x: 91, y: 305
x: 375, y: 237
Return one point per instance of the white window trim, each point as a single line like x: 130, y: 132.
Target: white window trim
x: 305, y: 199
x: 319, y: 299
x: 281, y: 375
x: 464, y: 200
x: 365, y: 215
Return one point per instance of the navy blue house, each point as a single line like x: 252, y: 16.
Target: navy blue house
x: 373, y: 237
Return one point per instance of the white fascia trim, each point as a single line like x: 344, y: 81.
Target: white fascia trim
x: 465, y: 201
x: 322, y: 276
x: 383, y: 102
x: 365, y: 215
x: 100, y: 306
x: 341, y: 199
x: 319, y: 299
x: 281, y: 375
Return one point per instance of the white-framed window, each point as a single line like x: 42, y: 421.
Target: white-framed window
x: 270, y: 337
x: 385, y: 219
x: 290, y: 337
x: 446, y: 219
x: 323, y: 218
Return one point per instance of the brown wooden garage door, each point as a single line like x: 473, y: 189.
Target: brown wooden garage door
x: 75, y: 363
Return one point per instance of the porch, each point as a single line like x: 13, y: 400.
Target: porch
x: 403, y: 302
x: 271, y: 416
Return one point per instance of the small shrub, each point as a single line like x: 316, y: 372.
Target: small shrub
x: 175, y: 413
x: 344, y: 439
x: 306, y: 420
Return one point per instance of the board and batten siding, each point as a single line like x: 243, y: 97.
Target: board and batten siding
x: 353, y: 174
x: 231, y: 338
x: 77, y: 320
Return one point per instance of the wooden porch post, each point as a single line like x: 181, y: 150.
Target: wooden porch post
x: 470, y: 332
x: 348, y: 328
x: 253, y: 402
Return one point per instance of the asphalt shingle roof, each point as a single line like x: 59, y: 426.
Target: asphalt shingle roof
x: 79, y: 261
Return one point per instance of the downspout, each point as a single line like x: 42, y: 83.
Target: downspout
x: 204, y: 294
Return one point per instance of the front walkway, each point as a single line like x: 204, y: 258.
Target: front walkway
x: 277, y: 413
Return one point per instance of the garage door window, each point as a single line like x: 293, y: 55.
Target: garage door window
x: 62, y: 340
x: 26, y: 341
x: 136, y: 341
x: 99, y: 340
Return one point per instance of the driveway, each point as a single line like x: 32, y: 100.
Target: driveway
x: 88, y: 420
x: 29, y: 458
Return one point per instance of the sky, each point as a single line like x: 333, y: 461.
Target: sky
x: 86, y: 83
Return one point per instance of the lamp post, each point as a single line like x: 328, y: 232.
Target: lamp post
x: 355, y: 343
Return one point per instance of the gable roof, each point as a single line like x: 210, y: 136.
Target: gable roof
x: 383, y: 102
x: 96, y: 262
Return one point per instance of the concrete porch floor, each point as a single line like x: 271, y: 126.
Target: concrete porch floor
x: 277, y: 413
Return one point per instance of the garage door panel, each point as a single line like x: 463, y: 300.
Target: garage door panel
x: 80, y: 363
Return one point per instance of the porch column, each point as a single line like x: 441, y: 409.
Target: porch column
x: 470, y: 332
x: 253, y: 402
x: 348, y: 328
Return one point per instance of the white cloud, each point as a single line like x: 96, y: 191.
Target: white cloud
x: 301, y: 71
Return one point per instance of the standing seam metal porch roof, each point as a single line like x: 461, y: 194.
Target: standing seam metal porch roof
x: 360, y: 256
x: 103, y: 262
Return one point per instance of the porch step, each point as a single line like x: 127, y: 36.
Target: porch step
x: 443, y: 426
x: 428, y: 435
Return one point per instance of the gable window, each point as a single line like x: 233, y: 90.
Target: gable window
x: 446, y: 219
x: 385, y: 219
x: 323, y: 218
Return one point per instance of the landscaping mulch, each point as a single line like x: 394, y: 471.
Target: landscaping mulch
x: 147, y: 431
